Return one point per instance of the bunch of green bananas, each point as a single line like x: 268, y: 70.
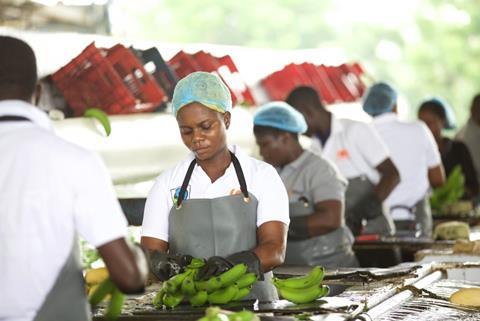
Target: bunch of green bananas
x: 232, y: 285
x: 216, y: 314
x: 117, y: 298
x: 302, y: 289
x: 450, y: 192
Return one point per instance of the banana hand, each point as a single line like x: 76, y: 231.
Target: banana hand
x: 101, y: 116
x: 299, y: 296
x: 314, y: 277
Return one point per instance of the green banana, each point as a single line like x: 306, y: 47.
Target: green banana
x: 314, y: 277
x: 101, y: 292
x: 229, y: 277
x: 244, y: 315
x: 196, y: 263
x: 223, y: 296
x: 114, y: 308
x: 199, y: 299
x: 188, y: 285
x: 243, y: 292
x: 158, y: 299
x: 213, y: 284
x: 101, y: 116
x: 307, y: 295
x: 172, y: 284
x: 172, y: 300
x: 246, y: 280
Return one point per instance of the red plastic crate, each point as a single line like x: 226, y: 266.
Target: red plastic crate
x: 237, y: 84
x: 90, y: 80
x: 337, y: 78
x: 353, y: 74
x: 140, y: 83
x: 183, y: 64
x: 321, y: 83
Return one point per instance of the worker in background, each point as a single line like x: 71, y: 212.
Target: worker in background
x: 50, y: 190
x: 470, y: 135
x: 360, y: 155
x: 438, y: 115
x: 415, y: 154
x: 317, y: 234
x: 218, y: 204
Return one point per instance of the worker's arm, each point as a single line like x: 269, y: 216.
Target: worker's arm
x: 271, y: 244
x: 327, y: 218
x: 389, y: 178
x: 436, y: 176
x: 153, y: 244
x: 127, y: 267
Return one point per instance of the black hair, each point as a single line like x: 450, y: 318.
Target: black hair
x: 18, y: 69
x: 434, y: 107
x: 272, y: 131
x: 304, y: 96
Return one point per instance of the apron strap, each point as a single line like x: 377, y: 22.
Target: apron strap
x: 13, y: 118
x: 238, y: 171
x: 240, y: 176
x: 186, y: 180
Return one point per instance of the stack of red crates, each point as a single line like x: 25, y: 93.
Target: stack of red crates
x: 183, y: 64
x: 110, y: 79
x: 335, y: 84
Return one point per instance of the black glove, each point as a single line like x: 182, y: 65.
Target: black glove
x: 298, y: 228
x: 216, y: 265
x: 164, y: 265
x: 368, y: 207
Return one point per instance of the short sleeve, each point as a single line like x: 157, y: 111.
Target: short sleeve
x: 97, y: 213
x: 157, y: 210
x: 433, y: 155
x: 326, y: 182
x: 272, y: 197
x: 370, y: 144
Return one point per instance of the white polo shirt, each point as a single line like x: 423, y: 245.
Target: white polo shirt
x: 413, y: 151
x: 354, y: 147
x: 261, y: 178
x: 49, y: 190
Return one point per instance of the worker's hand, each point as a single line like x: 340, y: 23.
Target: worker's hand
x: 368, y: 207
x: 164, y: 265
x: 216, y: 265
x: 298, y: 228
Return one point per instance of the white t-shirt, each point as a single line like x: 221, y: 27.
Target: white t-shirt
x: 261, y: 178
x: 413, y: 151
x: 49, y: 191
x: 355, y: 147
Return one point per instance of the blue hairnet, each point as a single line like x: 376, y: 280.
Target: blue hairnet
x: 204, y: 88
x: 280, y: 115
x: 446, y: 110
x: 379, y: 99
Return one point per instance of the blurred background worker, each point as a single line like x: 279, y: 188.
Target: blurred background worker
x: 415, y: 154
x: 470, y: 135
x: 219, y: 203
x: 360, y: 155
x: 438, y: 115
x: 50, y: 190
x: 317, y: 234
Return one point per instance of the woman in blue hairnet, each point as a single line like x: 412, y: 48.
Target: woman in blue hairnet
x: 317, y: 233
x: 438, y: 115
x: 218, y: 204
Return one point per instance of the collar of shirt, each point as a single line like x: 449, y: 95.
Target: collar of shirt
x: 385, y: 118
x: 24, y: 109
x: 298, y: 163
x: 336, y: 127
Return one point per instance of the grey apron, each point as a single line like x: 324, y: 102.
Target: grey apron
x: 67, y: 301
x: 422, y: 225
x: 218, y: 227
x: 331, y: 250
x: 358, y: 188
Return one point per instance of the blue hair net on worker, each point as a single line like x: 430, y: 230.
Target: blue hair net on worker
x: 204, y: 88
x: 444, y: 110
x: 379, y: 99
x: 282, y: 116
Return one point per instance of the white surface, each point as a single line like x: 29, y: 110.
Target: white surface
x: 413, y: 151
x: 262, y: 181
x: 355, y: 147
x: 49, y: 191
